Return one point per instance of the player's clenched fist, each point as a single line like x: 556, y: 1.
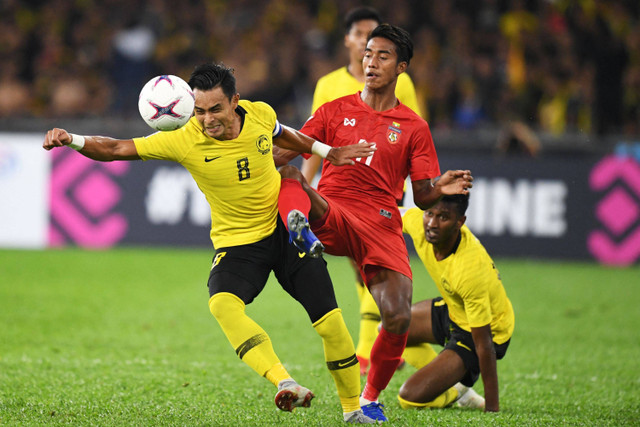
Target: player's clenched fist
x: 56, y: 138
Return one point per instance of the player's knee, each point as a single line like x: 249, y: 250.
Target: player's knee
x: 412, y: 398
x: 396, y: 321
x: 408, y: 396
x: 291, y: 172
x: 224, y: 304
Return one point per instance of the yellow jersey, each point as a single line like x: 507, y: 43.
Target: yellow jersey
x: 340, y: 83
x: 467, y: 280
x: 238, y: 177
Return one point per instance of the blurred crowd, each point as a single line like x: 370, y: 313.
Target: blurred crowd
x: 556, y: 65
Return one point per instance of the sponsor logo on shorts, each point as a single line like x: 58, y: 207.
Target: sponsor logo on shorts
x: 217, y: 259
x: 463, y: 346
x: 385, y: 213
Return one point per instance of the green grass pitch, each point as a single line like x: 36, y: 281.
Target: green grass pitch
x: 125, y: 337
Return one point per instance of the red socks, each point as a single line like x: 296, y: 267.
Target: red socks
x: 385, y: 357
x: 292, y: 196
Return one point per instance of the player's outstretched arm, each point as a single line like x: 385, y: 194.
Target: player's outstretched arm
x: 282, y: 156
x: 99, y: 148
x: 427, y: 192
x: 488, y: 369
x: 293, y: 140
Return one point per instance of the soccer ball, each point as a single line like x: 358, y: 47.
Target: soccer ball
x: 166, y: 102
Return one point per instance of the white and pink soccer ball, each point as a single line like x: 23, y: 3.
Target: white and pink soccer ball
x: 166, y: 102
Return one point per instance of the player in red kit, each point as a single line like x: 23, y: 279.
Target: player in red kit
x: 354, y: 211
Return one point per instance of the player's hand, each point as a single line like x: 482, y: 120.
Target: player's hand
x: 56, y: 138
x: 455, y: 182
x: 340, y: 156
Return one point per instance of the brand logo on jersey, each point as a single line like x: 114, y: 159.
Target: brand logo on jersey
x: 301, y: 254
x: 496, y: 270
x: 263, y: 143
x: 446, y: 286
x: 349, y: 122
x: 385, y: 213
x: 208, y: 159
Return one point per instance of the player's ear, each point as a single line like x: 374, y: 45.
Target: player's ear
x: 461, y: 221
x: 401, y: 67
x: 234, y: 100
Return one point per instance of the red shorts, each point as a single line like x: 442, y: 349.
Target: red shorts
x: 371, y: 236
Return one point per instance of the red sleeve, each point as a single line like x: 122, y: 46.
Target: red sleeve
x: 424, y: 159
x: 315, y: 126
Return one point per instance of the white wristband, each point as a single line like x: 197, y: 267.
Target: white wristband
x: 320, y: 149
x: 77, y: 142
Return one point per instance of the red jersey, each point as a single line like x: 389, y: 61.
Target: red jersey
x: 404, y: 147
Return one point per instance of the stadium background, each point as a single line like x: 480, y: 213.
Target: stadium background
x: 567, y: 71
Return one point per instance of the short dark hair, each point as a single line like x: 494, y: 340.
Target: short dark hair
x: 210, y: 75
x: 399, y: 37
x: 360, y: 14
x: 460, y: 201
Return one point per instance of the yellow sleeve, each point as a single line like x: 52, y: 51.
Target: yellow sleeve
x: 172, y: 145
x: 406, y: 93
x: 319, y: 95
x: 334, y: 85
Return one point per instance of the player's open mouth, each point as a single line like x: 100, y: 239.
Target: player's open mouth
x: 372, y: 78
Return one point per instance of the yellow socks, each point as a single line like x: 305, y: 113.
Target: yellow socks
x: 277, y: 374
x: 369, y: 320
x: 340, y: 356
x: 419, y: 355
x: 251, y: 343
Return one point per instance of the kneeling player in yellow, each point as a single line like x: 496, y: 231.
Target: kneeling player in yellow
x: 473, y: 319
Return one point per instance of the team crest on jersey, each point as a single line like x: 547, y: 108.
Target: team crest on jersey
x: 394, y: 132
x: 392, y: 137
x: 264, y: 144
